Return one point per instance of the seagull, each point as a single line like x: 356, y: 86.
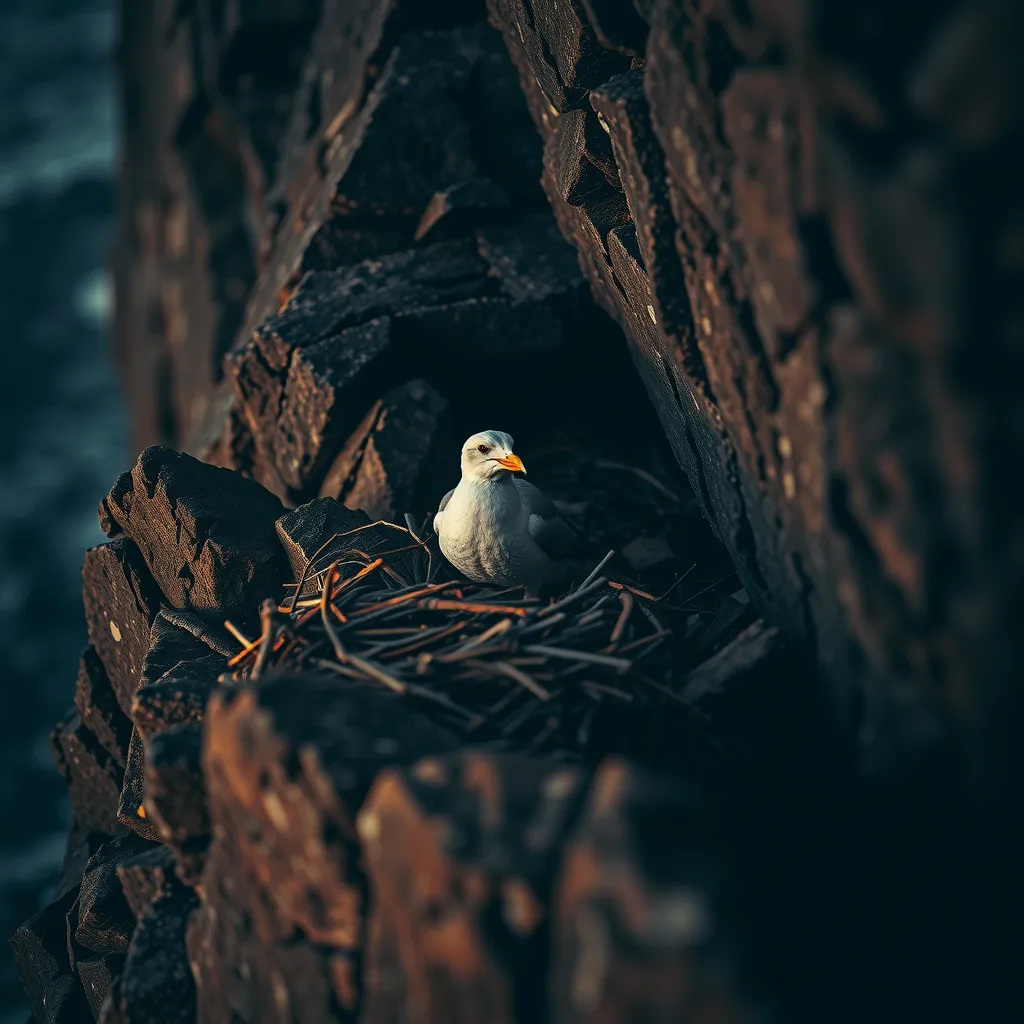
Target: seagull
x: 498, y: 528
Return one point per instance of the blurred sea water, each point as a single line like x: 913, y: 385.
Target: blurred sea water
x: 62, y: 417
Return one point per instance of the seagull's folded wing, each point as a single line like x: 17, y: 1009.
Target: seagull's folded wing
x: 440, y: 509
x: 547, y: 527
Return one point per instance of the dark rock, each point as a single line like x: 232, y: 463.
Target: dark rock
x: 473, y: 839
x: 81, y: 845
x: 458, y: 206
x: 531, y: 260
x: 131, y: 811
x: 395, y: 460
x: 447, y: 338
x: 287, y: 981
x: 121, y: 600
x: 211, y: 633
x: 176, y: 795
x: 622, y: 105
x: 383, y: 164
x: 327, y: 524
x: 783, y: 291
x: 97, y: 973
x: 293, y: 759
x: 583, y: 168
x: 175, y: 699
x: 560, y: 47
x: 185, y: 658
x: 506, y: 138
x: 111, y: 1011
x: 146, y: 877
x: 418, y: 142
x: 617, y: 25
x: 74, y: 950
x: 92, y: 775
x: 176, y: 651
x: 105, y: 921
x: 40, y: 950
x: 641, y: 928
x: 206, y: 533
x: 157, y: 982
x: 301, y: 402
x: 328, y: 302
x: 752, y: 651
x: 99, y: 708
x: 64, y: 1002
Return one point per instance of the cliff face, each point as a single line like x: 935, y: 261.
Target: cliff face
x: 355, y: 232
x: 802, y: 220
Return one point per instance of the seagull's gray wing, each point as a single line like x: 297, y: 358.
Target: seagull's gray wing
x: 440, y: 509
x: 551, y: 532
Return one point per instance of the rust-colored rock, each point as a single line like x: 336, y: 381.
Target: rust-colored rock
x: 461, y: 852
x: 121, y: 600
x: 640, y: 932
x: 98, y: 706
x: 92, y: 774
x: 395, y: 460
x: 293, y: 758
x: 207, y: 534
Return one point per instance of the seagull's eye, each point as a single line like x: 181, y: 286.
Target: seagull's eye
x: 482, y: 449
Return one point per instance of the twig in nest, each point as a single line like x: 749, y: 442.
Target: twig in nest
x: 267, y: 639
x: 478, y: 657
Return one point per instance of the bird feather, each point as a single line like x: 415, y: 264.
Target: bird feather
x: 440, y: 509
x: 551, y: 532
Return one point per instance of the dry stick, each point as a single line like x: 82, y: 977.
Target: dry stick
x: 677, y: 582
x: 496, y: 708
x: 395, y: 648
x: 410, y: 525
x: 543, y: 624
x: 541, y: 738
x: 238, y: 634
x: 626, y: 600
x: 344, y: 656
x: 652, y: 618
x: 436, y: 604
x: 461, y: 654
x: 266, y: 641
x: 414, y: 690
x: 710, y: 586
x: 365, y: 571
x: 403, y: 631
x: 419, y: 536
x: 619, y: 664
x: 502, y: 626
x: 314, y: 602
x: 402, y: 581
x: 333, y: 666
x: 391, y: 602
x: 589, y: 684
x: 374, y: 672
x: 511, y: 672
x: 595, y: 572
x: 585, y: 591
x: 329, y: 629
x: 243, y: 654
x: 330, y: 540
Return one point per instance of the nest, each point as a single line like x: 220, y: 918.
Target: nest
x: 499, y: 668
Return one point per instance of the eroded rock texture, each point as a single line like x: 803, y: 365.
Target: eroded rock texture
x: 355, y: 231
x: 799, y: 299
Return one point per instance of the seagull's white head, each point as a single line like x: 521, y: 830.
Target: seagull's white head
x: 488, y: 454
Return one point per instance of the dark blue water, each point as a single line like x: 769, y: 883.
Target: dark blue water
x: 62, y: 429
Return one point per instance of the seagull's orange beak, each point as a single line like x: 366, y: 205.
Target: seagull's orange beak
x: 512, y: 462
